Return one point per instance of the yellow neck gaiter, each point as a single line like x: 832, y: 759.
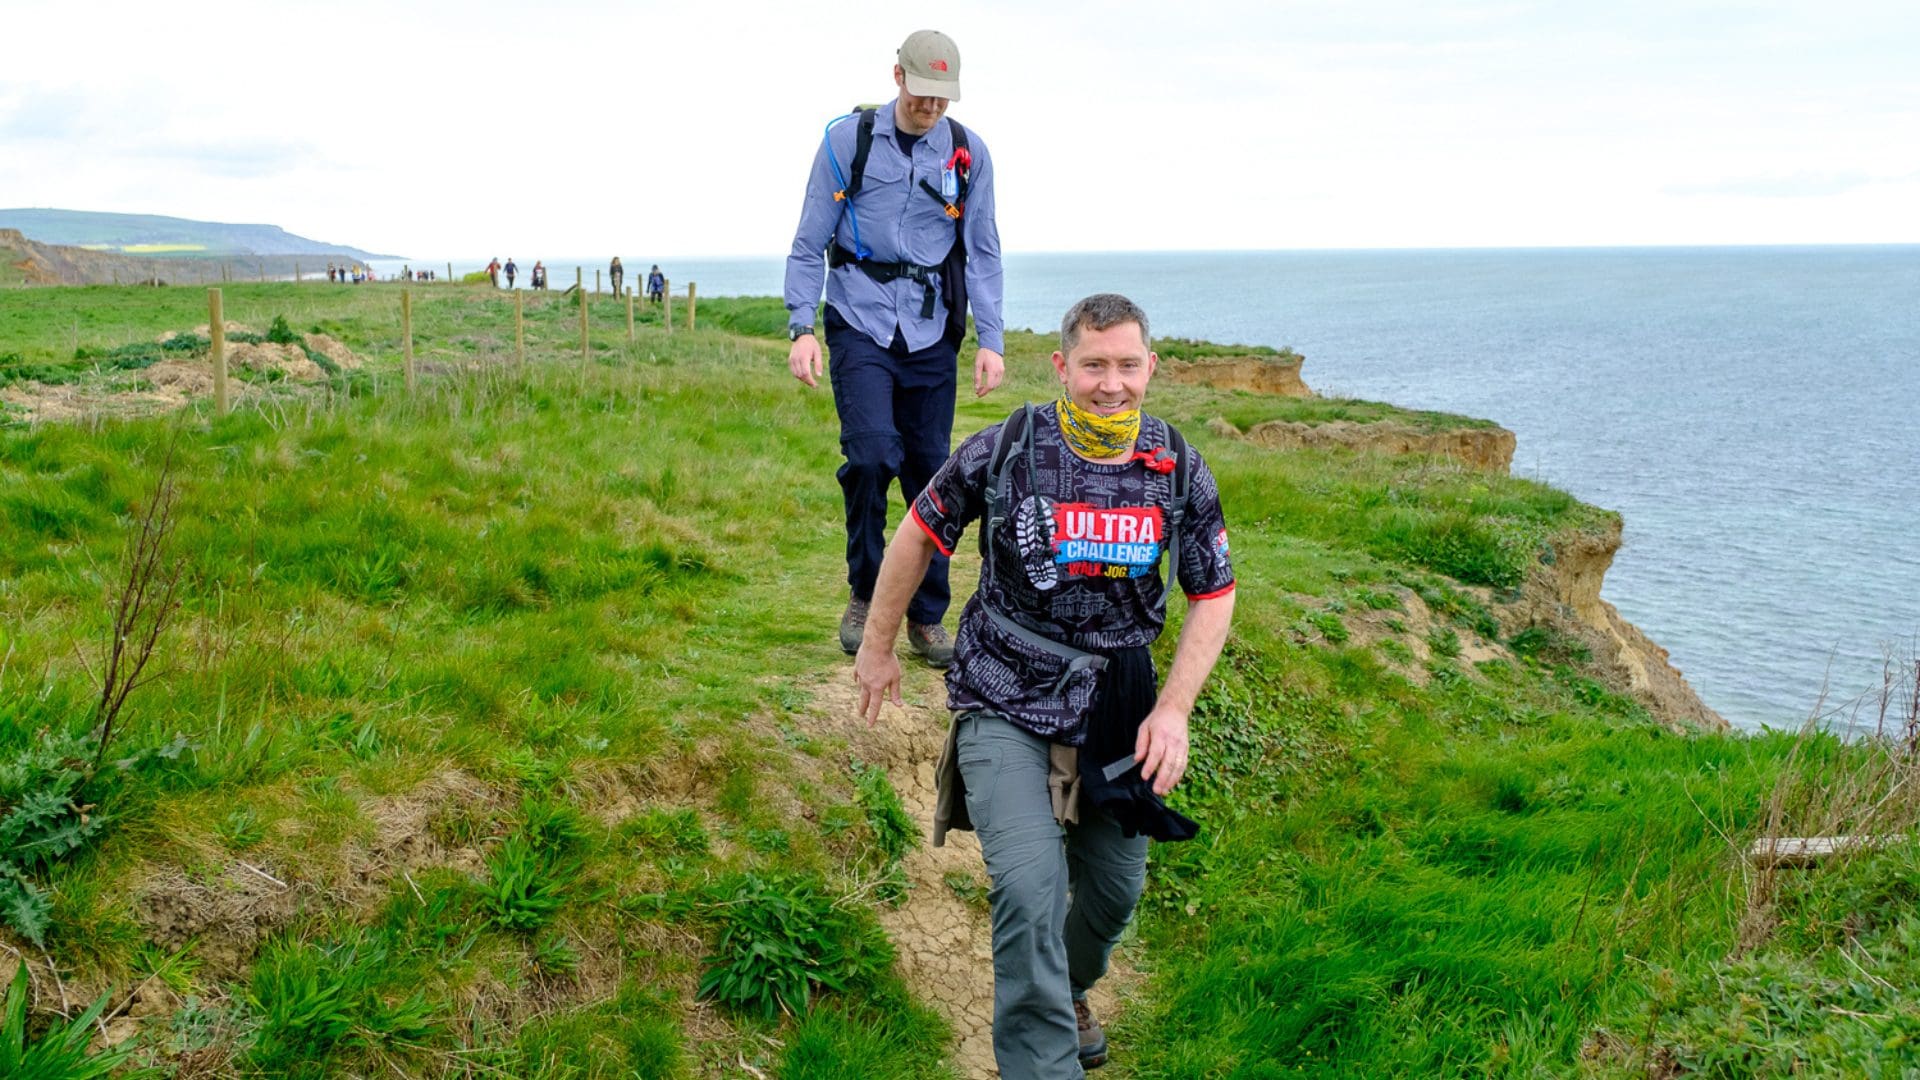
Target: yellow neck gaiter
x: 1094, y: 436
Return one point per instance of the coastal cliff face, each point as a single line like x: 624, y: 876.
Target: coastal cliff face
x: 1487, y: 449
x: 1278, y: 375
x: 1563, y: 593
x: 52, y: 264
x: 33, y: 263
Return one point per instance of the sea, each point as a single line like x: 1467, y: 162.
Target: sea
x: 1752, y: 412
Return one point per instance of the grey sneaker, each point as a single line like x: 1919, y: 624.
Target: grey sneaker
x: 853, y: 625
x: 929, y: 641
x: 1093, y: 1041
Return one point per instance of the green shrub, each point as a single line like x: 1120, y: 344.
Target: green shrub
x: 782, y: 940
x: 671, y: 831
x: 1461, y: 545
x: 893, y: 829
x: 53, y: 803
x: 1329, y: 626
x: 553, y: 956
x: 1544, y: 643
x: 310, y: 1000
x: 521, y: 892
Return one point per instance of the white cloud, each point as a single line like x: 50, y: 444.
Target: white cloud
x: 662, y: 128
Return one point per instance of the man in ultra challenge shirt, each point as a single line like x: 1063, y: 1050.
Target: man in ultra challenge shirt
x: 1053, y: 688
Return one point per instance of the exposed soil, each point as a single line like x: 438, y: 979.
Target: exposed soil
x: 1489, y: 449
x: 1277, y: 375
x: 171, y: 384
x: 943, y: 937
x: 227, y: 915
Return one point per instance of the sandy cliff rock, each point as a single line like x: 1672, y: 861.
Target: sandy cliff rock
x: 1278, y: 375
x: 1564, y: 594
x: 1489, y: 449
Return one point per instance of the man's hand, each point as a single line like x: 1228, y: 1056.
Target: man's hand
x: 877, y: 671
x: 805, y: 361
x: 1161, y: 748
x: 989, y: 368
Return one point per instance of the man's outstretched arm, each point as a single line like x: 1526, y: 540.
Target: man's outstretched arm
x: 876, y: 669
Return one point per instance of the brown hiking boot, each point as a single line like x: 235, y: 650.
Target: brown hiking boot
x: 853, y: 625
x: 1093, y: 1041
x: 929, y: 642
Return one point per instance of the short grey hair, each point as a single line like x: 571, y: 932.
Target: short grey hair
x: 1101, y: 311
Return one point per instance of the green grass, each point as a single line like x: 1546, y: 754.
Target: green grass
x: 1244, y: 410
x: 1189, y: 349
x: 580, y: 606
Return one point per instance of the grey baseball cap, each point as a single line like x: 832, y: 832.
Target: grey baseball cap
x: 932, y: 64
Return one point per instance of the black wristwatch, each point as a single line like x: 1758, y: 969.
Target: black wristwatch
x: 796, y: 331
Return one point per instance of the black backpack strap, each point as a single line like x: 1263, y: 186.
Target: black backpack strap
x: 1177, y: 512
x: 1015, y: 437
x: 862, y: 146
x: 966, y: 171
x: 963, y: 173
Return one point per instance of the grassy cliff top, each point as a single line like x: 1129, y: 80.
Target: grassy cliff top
x: 501, y: 731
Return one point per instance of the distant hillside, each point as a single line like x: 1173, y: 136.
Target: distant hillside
x: 149, y: 234
x: 26, y: 262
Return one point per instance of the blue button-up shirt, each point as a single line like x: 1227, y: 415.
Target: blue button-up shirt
x: 899, y: 222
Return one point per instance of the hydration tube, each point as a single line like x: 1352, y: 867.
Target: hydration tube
x: 860, y: 250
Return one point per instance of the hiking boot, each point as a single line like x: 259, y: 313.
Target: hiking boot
x: 929, y: 642
x: 1093, y: 1041
x: 853, y: 625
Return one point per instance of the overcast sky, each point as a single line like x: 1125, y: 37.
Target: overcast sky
x: 472, y: 127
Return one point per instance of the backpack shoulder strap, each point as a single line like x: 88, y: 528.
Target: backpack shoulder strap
x: 862, y: 145
x: 1177, y: 510
x: 959, y: 134
x: 1015, y: 439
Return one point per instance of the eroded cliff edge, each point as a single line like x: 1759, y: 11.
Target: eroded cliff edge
x: 1561, y: 592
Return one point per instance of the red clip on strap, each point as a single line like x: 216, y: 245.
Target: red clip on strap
x: 1159, y: 459
x: 961, y: 156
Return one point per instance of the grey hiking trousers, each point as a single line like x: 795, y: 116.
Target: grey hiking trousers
x: 1046, y: 950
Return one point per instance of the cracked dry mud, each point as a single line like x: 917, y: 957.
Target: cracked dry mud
x: 943, y: 938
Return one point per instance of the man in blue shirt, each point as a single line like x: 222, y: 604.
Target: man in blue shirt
x: 886, y: 323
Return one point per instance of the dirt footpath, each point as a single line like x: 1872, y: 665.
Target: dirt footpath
x: 941, y: 932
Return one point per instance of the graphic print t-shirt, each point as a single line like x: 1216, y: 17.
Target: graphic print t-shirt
x: 1077, y: 561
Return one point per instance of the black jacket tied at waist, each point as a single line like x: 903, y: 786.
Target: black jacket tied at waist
x: 1109, y: 776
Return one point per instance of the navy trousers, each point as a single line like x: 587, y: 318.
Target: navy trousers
x: 896, y: 420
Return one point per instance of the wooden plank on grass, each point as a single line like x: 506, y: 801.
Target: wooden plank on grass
x: 1810, y: 850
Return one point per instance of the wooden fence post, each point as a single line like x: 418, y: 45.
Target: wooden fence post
x: 596, y: 281
x: 692, y: 301
x: 577, y: 279
x: 584, y: 355
x: 406, y: 335
x: 519, y: 329
x: 666, y: 304
x: 263, y: 271
x: 217, y: 333
x: 296, y: 272
x: 450, y: 278
x: 629, y: 316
